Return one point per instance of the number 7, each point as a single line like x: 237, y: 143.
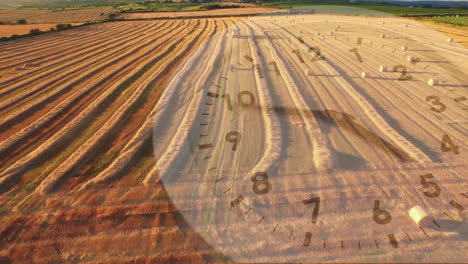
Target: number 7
x: 316, y: 202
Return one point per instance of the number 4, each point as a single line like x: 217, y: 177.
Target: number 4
x: 447, y: 145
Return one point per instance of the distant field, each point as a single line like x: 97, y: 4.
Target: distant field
x: 177, y: 7
x: 35, y: 16
x: 9, y: 30
x: 206, y: 13
x: 461, y: 21
x: 391, y: 9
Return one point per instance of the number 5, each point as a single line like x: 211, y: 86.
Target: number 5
x: 427, y: 184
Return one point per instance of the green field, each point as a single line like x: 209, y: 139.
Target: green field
x: 174, y: 7
x: 460, y: 21
x: 386, y: 8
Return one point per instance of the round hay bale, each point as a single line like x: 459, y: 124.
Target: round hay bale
x: 420, y: 215
x: 382, y: 35
x: 365, y: 74
x: 450, y: 40
x: 433, y: 82
x: 317, y: 33
x: 383, y: 68
x: 404, y: 47
x: 309, y: 72
x: 410, y: 58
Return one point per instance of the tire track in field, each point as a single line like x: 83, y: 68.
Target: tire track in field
x: 368, y: 109
x: 67, y: 77
x: 41, y: 50
x: 65, y: 132
x: 26, y: 75
x: 174, y: 149
x: 58, y: 61
x: 322, y: 156
x: 31, y: 76
x: 84, y: 149
x: 426, y: 123
x: 134, y: 145
x: 16, y: 137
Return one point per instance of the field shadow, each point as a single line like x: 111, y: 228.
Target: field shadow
x: 347, y: 122
x: 452, y: 226
x: 434, y: 156
x: 348, y: 162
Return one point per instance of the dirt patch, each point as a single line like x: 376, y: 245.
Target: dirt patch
x: 9, y: 30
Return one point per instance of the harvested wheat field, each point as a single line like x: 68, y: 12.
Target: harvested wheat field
x: 282, y: 138
x: 246, y: 11
x: 54, y: 16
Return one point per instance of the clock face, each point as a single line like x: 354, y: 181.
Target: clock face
x: 309, y: 137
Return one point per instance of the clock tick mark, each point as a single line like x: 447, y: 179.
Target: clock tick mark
x: 457, y: 206
x: 376, y: 244
x: 359, y: 245
x: 214, y: 95
x: 203, y: 124
x: 205, y: 146
x: 247, y: 57
x: 208, y: 103
x: 342, y: 245
x: 217, y: 180
x: 460, y: 99
x: 424, y: 231
x: 261, y: 219
x: 448, y: 215
x: 276, y: 226
x: 237, y: 201
x: 205, y: 114
x: 409, y: 238
x: 203, y: 135
x: 290, y: 234
x: 307, y: 238
x: 464, y: 194
x: 248, y: 211
x: 208, y: 157
x: 393, y: 240
x: 227, y: 190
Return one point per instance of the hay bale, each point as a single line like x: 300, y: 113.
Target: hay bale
x: 309, y: 72
x: 433, y: 82
x: 383, y: 68
x: 317, y: 33
x: 330, y: 33
x: 450, y: 40
x: 410, y: 58
x: 382, y: 35
x: 404, y: 47
x: 365, y: 74
x: 232, y: 66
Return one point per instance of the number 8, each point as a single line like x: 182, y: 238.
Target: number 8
x: 256, y: 188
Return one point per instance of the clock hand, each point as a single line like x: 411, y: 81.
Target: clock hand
x: 347, y: 122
